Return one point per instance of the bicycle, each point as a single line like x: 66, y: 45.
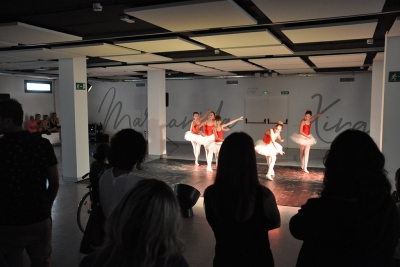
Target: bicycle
x: 85, y: 207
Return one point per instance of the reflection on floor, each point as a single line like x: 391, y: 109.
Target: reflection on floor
x: 196, y: 233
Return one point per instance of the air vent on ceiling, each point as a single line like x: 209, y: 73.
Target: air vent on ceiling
x: 343, y: 80
x: 140, y: 85
x: 232, y: 82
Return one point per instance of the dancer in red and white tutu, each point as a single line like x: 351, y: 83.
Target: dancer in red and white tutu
x: 269, y: 148
x: 219, y: 136
x: 209, y: 137
x: 195, y: 135
x: 304, y: 138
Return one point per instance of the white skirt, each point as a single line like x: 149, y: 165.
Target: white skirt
x: 267, y: 149
x: 208, y: 140
x: 302, y: 140
x: 198, y: 138
x: 215, y: 147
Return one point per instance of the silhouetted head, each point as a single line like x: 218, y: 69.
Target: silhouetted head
x: 127, y: 148
x: 11, y: 115
x: 354, y: 167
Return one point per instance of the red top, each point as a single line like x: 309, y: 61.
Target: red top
x: 306, y: 128
x: 267, y: 138
x: 32, y: 126
x: 220, y: 136
x: 194, y: 128
x: 208, y: 130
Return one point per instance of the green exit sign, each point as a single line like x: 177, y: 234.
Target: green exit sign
x: 394, y: 76
x: 284, y: 92
x: 80, y: 86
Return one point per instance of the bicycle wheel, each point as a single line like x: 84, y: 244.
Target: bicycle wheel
x: 84, y: 210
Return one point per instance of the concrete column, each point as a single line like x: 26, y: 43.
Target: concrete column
x: 376, y: 118
x: 156, y: 113
x: 74, y: 118
x: 391, y: 109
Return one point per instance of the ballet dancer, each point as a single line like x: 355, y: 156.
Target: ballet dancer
x: 195, y: 135
x: 304, y: 138
x: 219, y: 136
x: 269, y: 148
x: 209, y: 138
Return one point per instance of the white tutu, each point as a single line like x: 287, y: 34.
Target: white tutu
x: 215, y: 147
x: 267, y: 149
x: 302, y: 140
x: 195, y: 138
x: 208, y: 140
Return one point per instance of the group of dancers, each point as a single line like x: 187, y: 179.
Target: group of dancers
x: 209, y: 133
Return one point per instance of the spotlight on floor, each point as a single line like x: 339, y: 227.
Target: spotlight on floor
x: 187, y: 197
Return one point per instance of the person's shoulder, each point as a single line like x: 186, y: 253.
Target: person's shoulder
x: 208, y: 190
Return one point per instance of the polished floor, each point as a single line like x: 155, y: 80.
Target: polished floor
x: 196, y: 233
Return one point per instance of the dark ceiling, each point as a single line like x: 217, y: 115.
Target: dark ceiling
x: 76, y: 17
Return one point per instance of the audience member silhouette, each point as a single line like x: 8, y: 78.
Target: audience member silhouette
x: 142, y: 230
x: 127, y: 148
x: 28, y: 186
x: 395, y: 194
x: 354, y: 222
x: 239, y: 210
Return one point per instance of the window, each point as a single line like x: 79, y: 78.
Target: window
x: 38, y: 87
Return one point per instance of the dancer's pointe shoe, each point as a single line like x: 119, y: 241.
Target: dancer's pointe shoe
x: 209, y: 169
x: 306, y: 171
x: 268, y: 176
x: 196, y: 163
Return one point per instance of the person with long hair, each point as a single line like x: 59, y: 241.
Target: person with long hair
x: 239, y: 210
x: 127, y: 148
x: 304, y: 138
x: 209, y: 137
x: 195, y: 135
x: 354, y: 222
x: 269, y: 148
x: 142, y: 230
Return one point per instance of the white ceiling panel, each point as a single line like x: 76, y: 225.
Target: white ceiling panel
x: 216, y: 73
x: 230, y: 65
x: 6, y: 44
x: 281, y: 63
x: 340, y: 64
x: 183, y: 67
x: 238, y: 39
x: 395, y: 30
x: 169, y: 44
x: 140, y: 58
x: 38, y: 53
x: 294, y: 71
x: 96, y: 50
x: 259, y: 51
x: 5, y: 58
x: 17, y: 32
x: 193, y: 15
x: 347, y: 60
x: 331, y: 32
x: 294, y: 10
x: 16, y: 66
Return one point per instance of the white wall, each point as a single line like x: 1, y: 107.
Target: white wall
x: 121, y: 105
x: 32, y: 103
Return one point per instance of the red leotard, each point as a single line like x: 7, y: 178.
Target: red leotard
x: 208, y: 130
x: 194, y: 129
x: 267, y: 138
x: 306, y: 128
x: 220, y: 136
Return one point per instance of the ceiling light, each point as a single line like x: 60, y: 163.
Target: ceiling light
x: 127, y: 19
x: 97, y: 7
x: 370, y: 41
